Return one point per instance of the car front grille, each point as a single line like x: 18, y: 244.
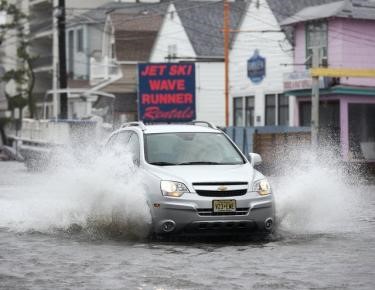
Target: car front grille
x: 216, y: 193
x: 220, y: 189
x: 210, y: 212
x: 220, y: 227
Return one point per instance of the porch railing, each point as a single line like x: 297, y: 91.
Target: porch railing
x: 103, y: 69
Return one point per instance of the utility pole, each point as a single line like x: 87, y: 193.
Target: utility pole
x: 62, y: 59
x: 226, y: 31
x: 315, y: 101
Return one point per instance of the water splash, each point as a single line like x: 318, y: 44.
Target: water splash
x: 104, y: 195
x: 95, y: 194
x: 317, y: 194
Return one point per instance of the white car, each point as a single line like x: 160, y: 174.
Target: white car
x: 197, y: 180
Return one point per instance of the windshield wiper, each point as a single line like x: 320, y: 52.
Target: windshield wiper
x: 162, y: 163
x: 199, y: 163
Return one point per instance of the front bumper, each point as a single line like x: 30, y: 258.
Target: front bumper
x: 195, y: 215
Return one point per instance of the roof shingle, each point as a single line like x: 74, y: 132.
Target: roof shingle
x: 203, y: 23
x: 343, y: 9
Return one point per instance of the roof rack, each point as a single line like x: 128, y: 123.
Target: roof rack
x: 134, y: 124
x: 208, y: 124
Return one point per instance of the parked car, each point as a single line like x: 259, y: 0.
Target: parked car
x: 197, y: 180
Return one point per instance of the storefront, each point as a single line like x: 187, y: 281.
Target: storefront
x: 346, y: 119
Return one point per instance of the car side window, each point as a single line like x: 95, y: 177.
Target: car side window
x: 133, y: 147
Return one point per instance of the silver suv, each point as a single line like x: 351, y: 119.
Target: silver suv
x: 197, y: 180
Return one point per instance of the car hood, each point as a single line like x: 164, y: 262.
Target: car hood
x: 205, y: 173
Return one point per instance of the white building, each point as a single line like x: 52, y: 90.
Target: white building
x: 259, y: 102
x: 192, y: 31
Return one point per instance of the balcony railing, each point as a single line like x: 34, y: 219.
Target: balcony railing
x: 39, y: 1
x: 40, y: 26
x: 103, y: 69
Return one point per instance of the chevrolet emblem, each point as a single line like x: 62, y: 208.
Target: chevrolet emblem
x: 222, y: 188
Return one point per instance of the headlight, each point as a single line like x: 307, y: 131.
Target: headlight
x: 262, y: 187
x: 173, y: 188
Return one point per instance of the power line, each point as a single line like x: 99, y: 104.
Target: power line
x: 283, y: 12
x: 216, y: 38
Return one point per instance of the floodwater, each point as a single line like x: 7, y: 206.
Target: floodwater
x: 56, y: 232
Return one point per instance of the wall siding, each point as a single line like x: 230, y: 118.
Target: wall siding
x: 210, y: 102
x: 357, y: 38
x: 128, y: 82
x: 171, y: 32
x: 350, y: 45
x: 299, y: 46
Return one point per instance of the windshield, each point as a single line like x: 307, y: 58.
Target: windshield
x: 190, y: 149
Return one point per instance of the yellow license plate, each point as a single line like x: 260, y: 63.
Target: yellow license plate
x: 224, y: 205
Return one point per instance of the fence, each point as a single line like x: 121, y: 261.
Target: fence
x: 271, y: 142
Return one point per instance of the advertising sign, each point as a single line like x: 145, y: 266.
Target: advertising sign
x: 301, y: 80
x: 297, y: 80
x: 166, y: 92
x: 256, y: 68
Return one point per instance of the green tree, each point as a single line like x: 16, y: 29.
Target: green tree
x: 23, y: 75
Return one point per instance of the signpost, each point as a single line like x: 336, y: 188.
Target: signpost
x: 166, y: 92
x: 315, y: 101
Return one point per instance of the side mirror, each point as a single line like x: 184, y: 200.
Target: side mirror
x: 255, y: 159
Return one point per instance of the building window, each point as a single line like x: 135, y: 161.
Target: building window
x: 249, y: 111
x: 305, y: 114
x: 283, y: 113
x: 80, y: 40
x: 113, y: 51
x: 317, y: 36
x: 270, y: 110
x: 71, y: 52
x: 172, y: 50
x: 243, y: 111
x: 238, y: 111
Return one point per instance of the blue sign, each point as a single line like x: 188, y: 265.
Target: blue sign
x: 166, y: 92
x: 256, y: 68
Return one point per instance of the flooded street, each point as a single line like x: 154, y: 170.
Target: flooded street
x: 55, y: 234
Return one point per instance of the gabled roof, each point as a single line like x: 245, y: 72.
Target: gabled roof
x: 203, y: 23
x: 135, y: 26
x: 98, y: 15
x: 342, y: 9
x: 122, y: 20
x: 284, y: 9
x: 203, y: 20
x: 135, y: 34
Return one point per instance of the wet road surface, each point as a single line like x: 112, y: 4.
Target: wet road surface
x: 42, y: 248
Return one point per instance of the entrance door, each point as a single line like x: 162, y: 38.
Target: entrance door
x: 329, y: 121
x: 362, y: 131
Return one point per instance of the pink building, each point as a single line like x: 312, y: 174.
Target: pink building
x: 344, y: 33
